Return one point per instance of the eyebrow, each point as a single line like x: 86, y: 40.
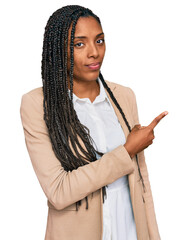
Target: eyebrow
x: 86, y: 37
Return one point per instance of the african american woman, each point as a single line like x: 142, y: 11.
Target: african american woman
x: 84, y: 138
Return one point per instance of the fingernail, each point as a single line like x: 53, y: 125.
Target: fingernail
x: 166, y: 112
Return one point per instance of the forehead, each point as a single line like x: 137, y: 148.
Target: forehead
x: 87, y: 26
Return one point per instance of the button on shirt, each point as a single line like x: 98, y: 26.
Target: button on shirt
x: 107, y: 133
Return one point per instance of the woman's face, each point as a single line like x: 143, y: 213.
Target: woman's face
x: 89, y: 49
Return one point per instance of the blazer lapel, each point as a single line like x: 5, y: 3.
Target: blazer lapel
x: 119, y: 100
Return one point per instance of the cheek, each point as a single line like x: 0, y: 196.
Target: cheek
x: 78, y: 61
x: 103, y: 50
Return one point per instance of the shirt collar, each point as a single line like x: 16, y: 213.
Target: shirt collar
x: 100, y: 98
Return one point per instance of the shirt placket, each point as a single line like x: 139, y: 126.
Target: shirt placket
x: 99, y: 128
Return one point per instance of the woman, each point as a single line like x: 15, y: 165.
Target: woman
x: 84, y: 138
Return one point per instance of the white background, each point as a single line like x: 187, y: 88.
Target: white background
x: 147, y: 50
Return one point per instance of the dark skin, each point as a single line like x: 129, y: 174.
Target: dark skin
x: 141, y: 137
x: 89, y: 47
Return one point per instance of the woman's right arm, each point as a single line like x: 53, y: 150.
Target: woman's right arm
x: 64, y: 188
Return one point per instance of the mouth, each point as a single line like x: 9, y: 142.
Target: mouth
x: 94, y: 66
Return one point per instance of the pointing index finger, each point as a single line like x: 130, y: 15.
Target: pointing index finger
x: 157, y: 120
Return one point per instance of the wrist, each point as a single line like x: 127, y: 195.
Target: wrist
x: 128, y: 148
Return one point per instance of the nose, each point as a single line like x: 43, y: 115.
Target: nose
x: 93, y: 51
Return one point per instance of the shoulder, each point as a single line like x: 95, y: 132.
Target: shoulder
x: 32, y: 100
x: 120, y: 89
x: 32, y: 112
x: 36, y: 93
x: 127, y: 98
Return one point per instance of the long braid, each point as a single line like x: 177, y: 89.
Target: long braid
x: 123, y: 115
x: 62, y: 122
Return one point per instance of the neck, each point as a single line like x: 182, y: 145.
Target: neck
x: 86, y: 89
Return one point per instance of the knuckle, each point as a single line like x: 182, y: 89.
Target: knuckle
x: 148, y: 130
x: 135, y: 127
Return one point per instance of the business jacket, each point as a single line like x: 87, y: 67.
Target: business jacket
x: 63, y: 188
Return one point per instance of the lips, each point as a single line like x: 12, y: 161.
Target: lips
x: 94, y: 66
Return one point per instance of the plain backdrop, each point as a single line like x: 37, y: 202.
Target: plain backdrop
x: 147, y: 50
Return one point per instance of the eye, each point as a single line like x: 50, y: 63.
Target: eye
x: 100, y: 41
x: 78, y: 44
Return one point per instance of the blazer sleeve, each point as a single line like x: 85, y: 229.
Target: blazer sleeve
x: 147, y: 195
x: 64, y: 188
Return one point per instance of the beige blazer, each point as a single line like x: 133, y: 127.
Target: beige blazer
x: 63, y: 188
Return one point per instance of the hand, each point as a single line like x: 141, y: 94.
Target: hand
x: 141, y: 137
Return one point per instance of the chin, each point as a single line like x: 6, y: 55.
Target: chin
x: 93, y: 75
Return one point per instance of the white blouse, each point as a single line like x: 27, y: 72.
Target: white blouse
x: 107, y: 133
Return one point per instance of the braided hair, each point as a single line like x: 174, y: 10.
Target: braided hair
x: 60, y: 116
